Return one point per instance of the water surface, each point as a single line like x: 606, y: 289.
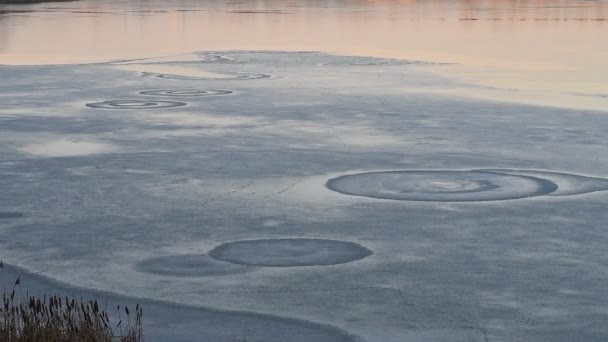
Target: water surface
x: 548, y: 49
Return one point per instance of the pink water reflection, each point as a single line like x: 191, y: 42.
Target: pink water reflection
x: 546, y: 45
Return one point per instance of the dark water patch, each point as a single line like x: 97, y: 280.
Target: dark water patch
x: 11, y: 11
x: 91, y: 12
x: 38, y: 124
x: 541, y: 19
x: 191, y: 10
x: 260, y: 12
x: 147, y: 11
x: 7, y: 215
x: 441, y: 186
x: 289, y: 252
x: 134, y: 104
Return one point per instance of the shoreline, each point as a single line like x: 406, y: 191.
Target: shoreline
x: 160, y: 317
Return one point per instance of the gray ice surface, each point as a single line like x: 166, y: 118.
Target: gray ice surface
x: 123, y: 201
x: 162, y: 319
x: 189, y: 265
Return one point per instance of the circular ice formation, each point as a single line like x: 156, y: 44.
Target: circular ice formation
x: 10, y: 215
x: 186, y: 92
x: 232, y: 76
x: 441, y: 186
x: 215, y: 58
x: 189, y: 265
x: 289, y: 252
x: 134, y: 104
x: 569, y: 184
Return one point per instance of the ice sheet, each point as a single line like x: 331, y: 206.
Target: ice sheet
x: 130, y: 199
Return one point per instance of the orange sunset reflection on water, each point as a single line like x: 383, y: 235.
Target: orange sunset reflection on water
x: 543, y: 46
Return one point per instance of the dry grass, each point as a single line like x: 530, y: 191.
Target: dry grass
x: 57, y: 319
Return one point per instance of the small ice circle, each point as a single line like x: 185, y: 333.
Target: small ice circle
x: 289, y: 252
x: 186, y: 92
x: 134, y: 104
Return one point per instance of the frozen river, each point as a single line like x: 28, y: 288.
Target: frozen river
x: 299, y: 196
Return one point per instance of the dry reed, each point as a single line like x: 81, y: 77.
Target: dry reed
x: 62, y: 319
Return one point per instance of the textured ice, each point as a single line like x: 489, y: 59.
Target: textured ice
x: 188, y: 265
x: 10, y: 215
x: 569, y: 184
x: 131, y: 201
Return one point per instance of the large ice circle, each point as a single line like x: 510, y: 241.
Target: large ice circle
x: 134, y: 104
x: 289, y: 252
x: 441, y: 186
